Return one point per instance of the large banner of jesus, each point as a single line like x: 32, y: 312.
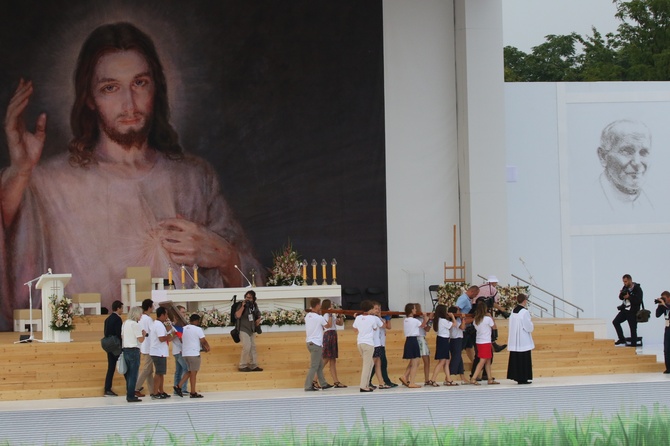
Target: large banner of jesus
x: 212, y: 133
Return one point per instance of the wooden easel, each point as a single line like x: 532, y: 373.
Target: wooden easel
x: 455, y: 268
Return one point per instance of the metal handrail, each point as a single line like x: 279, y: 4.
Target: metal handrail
x: 554, y: 296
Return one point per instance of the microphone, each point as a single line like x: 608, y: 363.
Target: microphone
x: 245, y: 277
x: 295, y: 277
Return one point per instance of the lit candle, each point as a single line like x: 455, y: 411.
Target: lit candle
x: 323, y: 271
x: 304, y: 271
x: 334, y: 265
x: 183, y: 275
x: 195, y: 274
x: 169, y: 275
x: 313, y: 271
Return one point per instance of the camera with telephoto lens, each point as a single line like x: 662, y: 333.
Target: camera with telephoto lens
x: 660, y: 301
x: 623, y: 294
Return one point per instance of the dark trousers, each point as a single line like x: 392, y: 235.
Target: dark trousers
x: 111, y: 366
x: 666, y: 348
x: 132, y: 358
x: 384, y: 367
x: 623, y: 316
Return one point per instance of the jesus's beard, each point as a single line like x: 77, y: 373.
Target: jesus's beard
x: 130, y: 139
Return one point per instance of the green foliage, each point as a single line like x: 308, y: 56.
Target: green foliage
x: 639, y: 51
x: 644, y: 426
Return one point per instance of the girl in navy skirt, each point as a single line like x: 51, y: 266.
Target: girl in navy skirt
x: 442, y: 323
x: 456, y: 346
x: 411, y: 351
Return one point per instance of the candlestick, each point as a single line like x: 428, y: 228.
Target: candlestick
x: 195, y: 277
x: 183, y: 277
x: 334, y: 265
x: 323, y: 271
x: 170, y: 283
x: 304, y: 272
x: 313, y: 271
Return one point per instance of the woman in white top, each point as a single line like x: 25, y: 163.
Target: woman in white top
x: 132, y: 337
x: 484, y: 325
x: 456, y: 346
x: 330, y: 346
x: 411, y: 326
x: 442, y: 323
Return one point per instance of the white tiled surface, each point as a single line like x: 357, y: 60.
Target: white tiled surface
x: 33, y: 422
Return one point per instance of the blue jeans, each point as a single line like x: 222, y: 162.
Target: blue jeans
x: 179, y: 369
x: 132, y: 358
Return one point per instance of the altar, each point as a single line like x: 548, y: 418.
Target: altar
x: 269, y: 298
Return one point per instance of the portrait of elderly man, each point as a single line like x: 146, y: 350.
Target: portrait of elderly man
x: 624, y: 152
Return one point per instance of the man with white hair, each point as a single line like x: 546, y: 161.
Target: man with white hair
x: 489, y: 291
x: 624, y: 152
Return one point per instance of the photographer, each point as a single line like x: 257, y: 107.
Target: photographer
x: 663, y: 309
x: 631, y: 299
x: 248, y: 322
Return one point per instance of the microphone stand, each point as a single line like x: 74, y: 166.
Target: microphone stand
x: 245, y: 277
x: 30, y: 338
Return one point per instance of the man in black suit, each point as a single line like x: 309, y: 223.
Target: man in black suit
x: 631, y: 300
x: 113, y: 325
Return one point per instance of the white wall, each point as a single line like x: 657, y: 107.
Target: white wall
x: 573, y: 243
x: 445, y: 144
x: 421, y: 159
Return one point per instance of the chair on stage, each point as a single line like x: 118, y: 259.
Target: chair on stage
x: 432, y: 289
x: 87, y: 301
x: 138, y: 286
x: 351, y: 299
x: 377, y: 294
x: 22, y: 320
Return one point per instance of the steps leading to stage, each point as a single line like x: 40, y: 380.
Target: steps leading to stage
x: 43, y: 371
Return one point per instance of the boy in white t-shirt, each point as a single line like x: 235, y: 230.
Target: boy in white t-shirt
x: 314, y: 326
x: 192, y: 340
x: 159, y: 350
x: 366, y: 325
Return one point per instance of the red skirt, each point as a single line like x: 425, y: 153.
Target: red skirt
x: 485, y: 351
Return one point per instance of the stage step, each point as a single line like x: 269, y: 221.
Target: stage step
x: 44, y: 371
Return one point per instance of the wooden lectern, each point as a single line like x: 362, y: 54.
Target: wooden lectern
x: 50, y: 284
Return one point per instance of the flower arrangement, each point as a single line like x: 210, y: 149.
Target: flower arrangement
x: 286, y: 268
x: 508, y: 295
x: 283, y: 317
x: 216, y: 318
x: 213, y: 318
x: 449, y: 292
x: 62, y: 313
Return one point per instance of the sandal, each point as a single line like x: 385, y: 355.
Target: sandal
x: 450, y: 384
x: 404, y: 383
x: 493, y: 382
x: 195, y: 395
x: 316, y: 384
x: 475, y: 383
x: 432, y: 383
x: 383, y: 386
x: 414, y: 386
x: 465, y: 383
x: 339, y: 385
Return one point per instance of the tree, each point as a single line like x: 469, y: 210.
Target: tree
x: 639, y: 51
